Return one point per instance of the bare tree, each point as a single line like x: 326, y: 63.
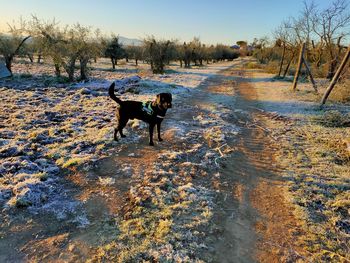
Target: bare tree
x: 305, y: 25
x: 284, y: 38
x: 330, y: 24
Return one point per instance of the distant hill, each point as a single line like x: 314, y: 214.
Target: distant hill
x: 130, y: 41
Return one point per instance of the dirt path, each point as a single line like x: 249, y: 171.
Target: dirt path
x: 254, y: 221
x: 258, y: 221
x: 211, y: 191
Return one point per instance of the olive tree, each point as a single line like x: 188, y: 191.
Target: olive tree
x: 157, y: 53
x: 65, y: 45
x: 114, y: 50
x: 12, y: 42
x: 134, y: 52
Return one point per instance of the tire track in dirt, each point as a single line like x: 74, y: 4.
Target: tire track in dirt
x: 256, y: 222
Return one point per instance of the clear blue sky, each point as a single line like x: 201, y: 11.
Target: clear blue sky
x: 214, y: 21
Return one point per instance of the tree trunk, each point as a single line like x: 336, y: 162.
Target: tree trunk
x: 300, y: 60
x: 336, y: 76
x: 30, y: 58
x: 9, y: 58
x: 136, y: 62
x: 319, y: 57
x: 70, y: 68
x: 310, y: 74
x: 83, y: 68
x: 70, y: 71
x: 335, y: 59
x: 8, y: 63
x: 39, y: 58
x: 288, y: 65
x: 113, y: 63
x: 331, y: 68
x: 57, y: 70
x: 282, y: 59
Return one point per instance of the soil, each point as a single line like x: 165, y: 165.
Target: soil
x: 252, y: 219
x: 256, y: 221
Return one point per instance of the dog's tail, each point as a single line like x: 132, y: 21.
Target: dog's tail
x: 112, y: 95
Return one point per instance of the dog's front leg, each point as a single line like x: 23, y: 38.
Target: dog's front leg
x: 151, y: 128
x: 158, y: 130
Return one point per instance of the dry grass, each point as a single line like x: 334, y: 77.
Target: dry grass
x: 253, y: 65
x: 333, y: 118
x: 316, y: 160
x: 341, y: 92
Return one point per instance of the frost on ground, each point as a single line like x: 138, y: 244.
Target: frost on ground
x: 315, y: 158
x: 168, y: 215
x: 46, y: 130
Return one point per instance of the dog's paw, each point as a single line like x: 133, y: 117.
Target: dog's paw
x: 123, y: 136
x: 151, y: 143
x: 160, y: 139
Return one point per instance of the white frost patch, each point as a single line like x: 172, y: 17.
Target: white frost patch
x: 136, y: 124
x: 171, y: 155
x: 62, y: 208
x: 187, y: 188
x: 82, y: 221
x: 106, y: 181
x: 126, y: 168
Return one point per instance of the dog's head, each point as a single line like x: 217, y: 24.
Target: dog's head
x: 164, y: 100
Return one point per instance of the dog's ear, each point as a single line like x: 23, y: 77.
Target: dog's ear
x: 171, y: 97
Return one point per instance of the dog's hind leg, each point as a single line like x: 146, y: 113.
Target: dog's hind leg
x: 122, y: 123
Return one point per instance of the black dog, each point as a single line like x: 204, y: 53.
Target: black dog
x: 151, y: 112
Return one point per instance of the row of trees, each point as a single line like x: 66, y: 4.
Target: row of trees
x: 322, y: 30
x: 75, y: 46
